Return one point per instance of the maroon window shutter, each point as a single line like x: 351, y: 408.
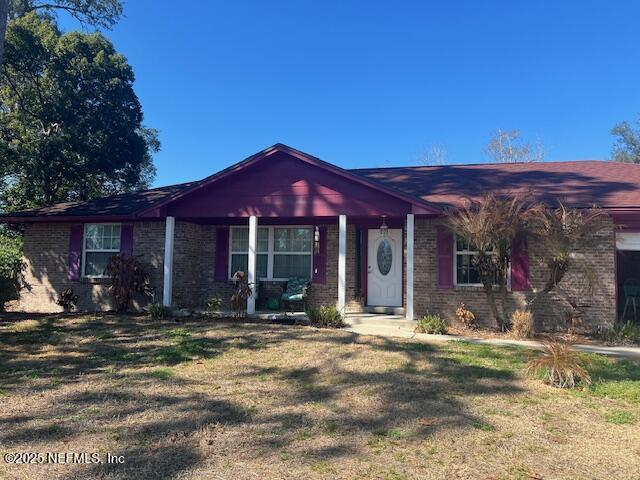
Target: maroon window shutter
x: 320, y: 259
x: 444, y: 243
x: 126, y: 239
x: 76, y: 234
x: 222, y: 254
x: 519, y: 265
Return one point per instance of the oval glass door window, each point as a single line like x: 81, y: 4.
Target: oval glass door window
x: 384, y: 257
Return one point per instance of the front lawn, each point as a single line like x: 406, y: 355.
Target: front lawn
x: 212, y: 400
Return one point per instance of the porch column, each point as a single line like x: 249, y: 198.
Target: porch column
x: 251, y: 275
x: 342, y: 262
x: 409, y: 286
x: 167, y: 282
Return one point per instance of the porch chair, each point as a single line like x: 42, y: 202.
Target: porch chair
x: 296, y: 292
x: 632, y: 296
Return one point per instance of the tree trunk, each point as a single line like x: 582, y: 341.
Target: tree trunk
x: 491, y: 300
x: 4, y: 12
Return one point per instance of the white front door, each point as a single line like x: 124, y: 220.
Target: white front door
x: 384, y: 268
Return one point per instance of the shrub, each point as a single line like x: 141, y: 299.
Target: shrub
x: 12, y: 269
x: 522, y: 324
x: 325, y: 316
x: 465, y: 316
x: 622, y: 333
x: 128, y: 278
x: 558, y: 365
x: 158, y: 311
x: 67, y: 299
x: 432, y: 324
x: 212, y: 305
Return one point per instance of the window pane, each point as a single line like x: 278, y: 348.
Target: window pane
x: 240, y: 239
x: 474, y: 276
x: 239, y: 262
x: 91, y: 236
x: 115, y: 237
x: 261, y: 265
x: 102, y: 237
x: 462, y: 269
x: 96, y: 262
x: 292, y: 239
x: 111, y: 237
x: 263, y: 240
x: 467, y: 272
x: 287, y: 266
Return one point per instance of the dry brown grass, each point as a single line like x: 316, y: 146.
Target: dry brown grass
x: 213, y: 400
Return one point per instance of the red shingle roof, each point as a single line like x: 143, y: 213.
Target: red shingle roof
x: 579, y: 183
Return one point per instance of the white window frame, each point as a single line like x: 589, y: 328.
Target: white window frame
x: 95, y: 250
x: 470, y: 252
x: 271, y: 250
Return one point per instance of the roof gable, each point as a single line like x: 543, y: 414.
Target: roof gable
x: 284, y: 182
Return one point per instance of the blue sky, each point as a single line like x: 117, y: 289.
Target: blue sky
x: 372, y: 83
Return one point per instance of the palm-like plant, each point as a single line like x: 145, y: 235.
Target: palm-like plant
x: 559, y: 364
x: 560, y: 231
x: 490, y: 225
x: 128, y: 277
x: 242, y: 292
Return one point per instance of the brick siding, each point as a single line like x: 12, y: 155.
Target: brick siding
x: 46, y: 247
x: 550, y: 311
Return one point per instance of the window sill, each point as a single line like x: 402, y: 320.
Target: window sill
x: 94, y: 280
x: 476, y: 288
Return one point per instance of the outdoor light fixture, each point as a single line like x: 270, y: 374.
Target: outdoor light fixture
x: 384, y: 228
x: 316, y: 240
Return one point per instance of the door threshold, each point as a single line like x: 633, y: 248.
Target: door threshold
x: 384, y: 310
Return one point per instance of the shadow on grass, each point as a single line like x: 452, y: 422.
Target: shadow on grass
x: 120, y: 384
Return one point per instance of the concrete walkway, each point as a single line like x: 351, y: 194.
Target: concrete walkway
x: 403, y: 331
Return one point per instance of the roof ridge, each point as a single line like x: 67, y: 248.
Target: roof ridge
x: 490, y: 163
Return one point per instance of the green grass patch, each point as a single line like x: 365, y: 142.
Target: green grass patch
x: 330, y: 428
x: 324, y: 468
x: 484, y: 426
x: 162, y: 373
x: 188, y: 349
x: 613, y: 378
x: 179, y: 332
x: 86, y: 413
x: 121, y: 356
x: 620, y: 417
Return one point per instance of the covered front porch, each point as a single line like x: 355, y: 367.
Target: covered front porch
x: 351, y: 237
x: 358, y: 263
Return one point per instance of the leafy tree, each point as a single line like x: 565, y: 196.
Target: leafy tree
x: 507, y: 146
x: 70, y: 123
x: 98, y: 13
x: 4, y: 13
x: 11, y: 269
x: 627, y: 146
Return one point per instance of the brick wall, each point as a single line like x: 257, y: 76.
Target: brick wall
x: 46, y: 250
x: 550, y: 311
x: 47, y: 246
